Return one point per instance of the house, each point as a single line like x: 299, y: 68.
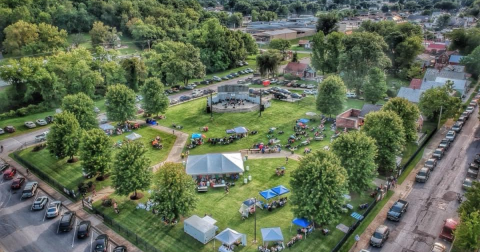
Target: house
x: 267, y: 36
x: 455, y: 59
x: 417, y: 18
x: 305, y: 44
x: 436, y: 48
x: 458, y: 84
x: 431, y: 74
x: 300, y: 70
x: 431, y: 84
x: 354, y: 118
x: 412, y: 95
x: 415, y: 84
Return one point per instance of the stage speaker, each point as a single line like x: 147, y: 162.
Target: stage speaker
x: 262, y: 107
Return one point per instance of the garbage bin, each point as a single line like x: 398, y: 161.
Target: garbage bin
x: 245, y: 180
x: 249, y: 177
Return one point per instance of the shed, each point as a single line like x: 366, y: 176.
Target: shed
x: 214, y: 163
x: 201, y: 229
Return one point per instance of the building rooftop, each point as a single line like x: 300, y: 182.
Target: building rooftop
x: 278, y: 32
x: 415, y: 83
x: 431, y: 84
x: 412, y: 95
x: 367, y: 108
x: 455, y: 58
x: 431, y: 74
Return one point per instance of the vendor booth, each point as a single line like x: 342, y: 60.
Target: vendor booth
x: 106, y: 127
x: 306, y: 226
x: 248, y: 207
x: 272, y: 235
x: 215, y: 163
x: 133, y: 136
x: 202, y: 229
x: 229, y: 238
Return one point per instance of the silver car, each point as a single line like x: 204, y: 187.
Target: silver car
x: 40, y: 203
x: 30, y: 125
x: 41, y: 122
x: 54, y: 209
x: 380, y: 236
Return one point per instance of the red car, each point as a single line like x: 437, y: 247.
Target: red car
x: 17, y: 183
x: 447, y: 230
x: 9, y: 173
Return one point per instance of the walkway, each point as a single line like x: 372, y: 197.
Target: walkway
x: 271, y: 155
x: 175, y: 154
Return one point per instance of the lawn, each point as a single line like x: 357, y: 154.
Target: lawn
x: 224, y: 208
x: 281, y: 115
x: 85, y: 40
x: 70, y: 175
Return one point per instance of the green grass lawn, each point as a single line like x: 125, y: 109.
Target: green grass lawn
x: 70, y: 175
x: 85, y: 40
x: 224, y: 208
x: 281, y: 115
x: 132, y: 47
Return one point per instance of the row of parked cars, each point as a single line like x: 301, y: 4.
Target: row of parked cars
x: 28, y: 124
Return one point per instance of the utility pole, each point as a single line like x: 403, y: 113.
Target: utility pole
x: 211, y: 106
x: 439, y: 117
x: 255, y: 230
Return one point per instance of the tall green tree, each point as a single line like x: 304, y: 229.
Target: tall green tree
x: 104, y: 35
x: 154, y: 99
x: 357, y: 153
x: 131, y: 169
x: 472, y: 62
x: 96, y: 152
x: 319, y: 52
x: 467, y: 234
x: 319, y: 173
x: 120, y: 103
x: 409, y: 114
x: 281, y: 45
x: 334, y: 48
x: 331, y: 95
x: 135, y: 71
x: 174, y: 191
x: 387, y: 130
x: 464, y: 40
x: 442, y: 21
x: 327, y: 22
x: 375, y: 86
x: 435, y: 99
x: 268, y: 62
x: 82, y: 107
x: 64, y: 137
x: 472, y: 202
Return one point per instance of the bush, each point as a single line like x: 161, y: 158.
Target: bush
x: 81, y: 188
x: 391, y: 93
x: 291, y: 77
x: 39, y: 147
x: 30, y: 109
x: 90, y: 184
x: 106, y: 202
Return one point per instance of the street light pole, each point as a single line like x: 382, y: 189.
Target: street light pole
x: 255, y: 230
x: 211, y: 106
x: 260, y: 102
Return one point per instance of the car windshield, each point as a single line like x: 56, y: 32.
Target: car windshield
x: 99, y: 246
x: 438, y: 151
x: 422, y: 173
x: 467, y: 182
x: 377, y: 235
x: 429, y: 162
x: 52, y: 210
x: 397, y: 208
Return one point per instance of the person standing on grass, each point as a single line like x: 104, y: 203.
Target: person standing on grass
x: 286, y: 160
x: 94, y: 193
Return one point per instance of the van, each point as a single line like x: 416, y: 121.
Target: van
x: 30, y: 189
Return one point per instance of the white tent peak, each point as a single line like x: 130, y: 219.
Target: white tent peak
x: 133, y: 136
x: 214, y: 163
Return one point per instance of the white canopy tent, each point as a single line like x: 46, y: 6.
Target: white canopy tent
x: 215, y: 163
x: 133, y: 136
x: 271, y: 234
x: 229, y: 237
x: 106, y: 126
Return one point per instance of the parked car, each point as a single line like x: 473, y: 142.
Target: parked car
x: 41, y: 122
x: 9, y: 129
x: 120, y: 249
x: 185, y: 98
x: 101, y: 243
x: 3, y: 166
x: 273, y: 81
x: 308, y: 92
x: 473, y: 104
x: 467, y: 184
x: 380, y: 236
x: 447, y: 230
x: 225, y: 78
x: 445, y: 144
x: 30, y: 125
x: 472, y: 173
x: 470, y: 109
x: 83, y: 230
x: 17, y: 183
x: 234, y: 74
x: 9, y: 173
x: 30, y: 189
x: 431, y: 163
x: 423, y: 175
x: 216, y: 78
x: 451, y: 135
x: 438, y: 153
x: 295, y: 96
x: 230, y: 76
x: 40, y: 203
x: 49, y: 119
x: 2, y: 131
x: 173, y: 101
x: 397, y: 210
x: 351, y: 95
x: 466, y: 115
x: 310, y: 86
x: 457, y: 127
x: 188, y: 87
x: 40, y: 138
x: 54, y: 209
x: 67, y: 221
x: 462, y: 119
x: 438, y: 247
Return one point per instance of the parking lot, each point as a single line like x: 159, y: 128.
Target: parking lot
x: 22, y: 229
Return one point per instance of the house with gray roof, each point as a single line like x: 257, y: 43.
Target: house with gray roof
x: 431, y: 74
x: 458, y: 85
x: 412, y: 95
x: 431, y: 84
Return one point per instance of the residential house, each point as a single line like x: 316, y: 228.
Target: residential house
x: 305, y: 44
x: 354, y: 118
x: 300, y: 70
x: 417, y: 19
x: 455, y: 59
x: 415, y: 84
x: 459, y: 85
x: 412, y: 95
x: 431, y: 74
x: 435, y: 48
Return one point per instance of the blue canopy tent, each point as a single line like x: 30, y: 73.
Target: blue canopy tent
x: 272, y: 234
x: 304, y: 120
x: 302, y: 222
x: 268, y: 194
x: 196, y: 135
x: 279, y: 190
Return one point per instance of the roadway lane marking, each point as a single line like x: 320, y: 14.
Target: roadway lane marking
x: 74, y: 231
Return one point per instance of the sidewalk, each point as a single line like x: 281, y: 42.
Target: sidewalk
x: 271, y: 155
x: 177, y: 149
x: 400, y: 192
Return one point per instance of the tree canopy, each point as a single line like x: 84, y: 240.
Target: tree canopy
x: 435, y: 99
x: 82, y: 107
x: 472, y: 62
x: 408, y: 112
x: 120, y: 103
x: 331, y: 95
x: 319, y: 173
x: 64, y: 137
x: 375, y: 86
x: 467, y: 233
x: 154, y: 99
x: 464, y: 40
x: 96, y: 152
x: 268, y: 62
x: 327, y: 22
x: 281, y: 45
x: 135, y: 72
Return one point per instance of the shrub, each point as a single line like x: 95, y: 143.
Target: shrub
x: 28, y: 110
x: 391, y: 93
x: 90, y: 184
x: 106, y: 202
x: 291, y: 77
x: 39, y: 147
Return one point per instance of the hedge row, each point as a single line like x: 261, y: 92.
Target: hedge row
x: 30, y: 109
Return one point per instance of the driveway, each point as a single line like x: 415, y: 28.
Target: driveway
x: 436, y: 200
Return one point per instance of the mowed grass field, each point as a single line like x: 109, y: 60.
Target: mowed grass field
x: 225, y: 209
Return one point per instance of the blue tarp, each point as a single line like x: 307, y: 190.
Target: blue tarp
x: 196, y: 135
x: 357, y: 216
x: 302, y: 222
x: 268, y: 194
x: 249, y: 202
x: 303, y: 120
x: 279, y: 190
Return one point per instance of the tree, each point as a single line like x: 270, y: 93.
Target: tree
x: 387, y: 130
x: 281, y: 45
x: 174, y: 191
x: 331, y: 95
x: 435, y: 99
x: 96, y: 152
x: 135, y: 70
x: 120, y: 103
x: 154, y: 99
x: 268, y: 62
x: 319, y: 52
x: 295, y: 57
x: 235, y: 19
x: 19, y: 35
x: 327, y: 22
x: 319, y: 173
x: 472, y: 62
x: 357, y: 153
x: 467, y: 234
x: 385, y: 8
x: 409, y: 114
x: 64, y: 136
x: 334, y: 48
x: 375, y: 87
x: 443, y: 21
x: 82, y: 107
x: 464, y: 40
x: 131, y: 169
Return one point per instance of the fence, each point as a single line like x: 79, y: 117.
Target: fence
x: 370, y: 207
x: 42, y: 175
x: 125, y: 232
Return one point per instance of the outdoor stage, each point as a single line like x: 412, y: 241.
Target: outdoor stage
x: 246, y: 107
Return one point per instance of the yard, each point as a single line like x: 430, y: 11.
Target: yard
x: 224, y: 208
x: 70, y: 175
x: 281, y: 115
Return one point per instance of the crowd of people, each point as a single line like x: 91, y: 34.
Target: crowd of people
x: 225, y: 140
x: 277, y: 203
x: 275, y: 248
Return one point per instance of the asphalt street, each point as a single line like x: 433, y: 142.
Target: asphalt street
x: 22, y: 229
x: 433, y: 202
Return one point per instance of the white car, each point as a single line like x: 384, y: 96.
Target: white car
x: 2, y: 131
x: 54, y: 209
x: 351, y: 95
x: 450, y: 135
x: 310, y: 86
x: 40, y: 203
x: 469, y: 109
x: 41, y: 122
x: 308, y: 92
x: 173, y: 101
x: 30, y: 125
x: 303, y: 86
x: 189, y: 87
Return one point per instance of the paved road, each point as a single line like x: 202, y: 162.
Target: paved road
x: 24, y: 230
x: 433, y: 202
x: 13, y: 143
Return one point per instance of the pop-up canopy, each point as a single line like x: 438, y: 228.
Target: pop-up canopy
x: 303, y: 120
x: 271, y: 234
x: 240, y: 130
x: 268, y: 194
x: 133, y: 136
x: 106, y: 126
x: 279, y: 190
x: 228, y: 236
x: 196, y: 135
